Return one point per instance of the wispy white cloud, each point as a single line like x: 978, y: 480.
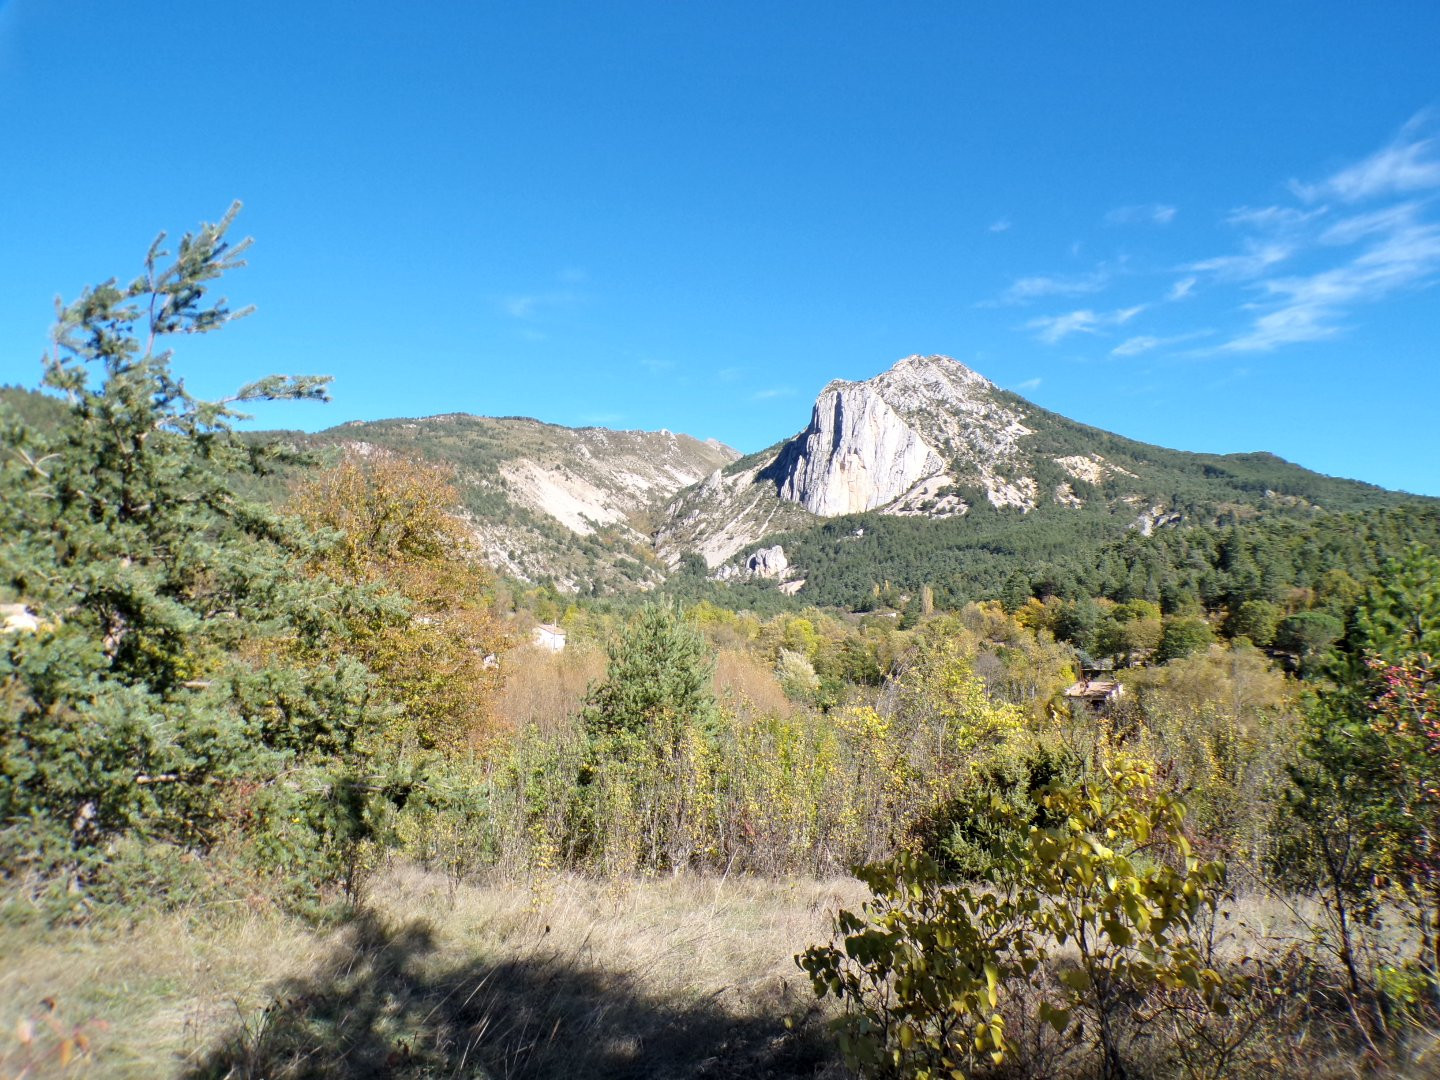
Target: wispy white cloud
x: 1042, y: 285
x: 773, y: 392
x: 729, y: 374
x: 1410, y: 163
x: 1405, y: 255
x: 530, y: 305
x: 1053, y: 328
x: 1272, y: 219
x: 1347, y: 260
x: 655, y: 365
x: 1250, y: 263
x: 1146, y: 214
x: 1181, y: 289
x: 1307, y: 315
x: 1353, y: 229
x: 1146, y: 343
x: 1028, y: 384
x: 1296, y: 270
x: 1311, y: 307
x: 1136, y: 345
x: 1003, y: 225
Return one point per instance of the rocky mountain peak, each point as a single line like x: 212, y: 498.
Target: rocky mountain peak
x: 922, y: 370
x: 931, y: 439
x: 925, y: 376
x: 898, y: 441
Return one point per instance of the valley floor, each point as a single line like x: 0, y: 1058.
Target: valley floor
x: 674, y: 977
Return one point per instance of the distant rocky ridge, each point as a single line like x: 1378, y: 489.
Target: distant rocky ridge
x: 925, y: 453
x: 593, y: 477
x: 928, y: 439
x: 931, y: 438
x: 572, y: 505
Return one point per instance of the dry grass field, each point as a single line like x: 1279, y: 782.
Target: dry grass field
x: 682, y: 977
x: 675, y: 977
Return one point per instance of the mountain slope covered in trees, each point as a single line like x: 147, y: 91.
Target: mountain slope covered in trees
x: 953, y: 486
x: 970, y: 491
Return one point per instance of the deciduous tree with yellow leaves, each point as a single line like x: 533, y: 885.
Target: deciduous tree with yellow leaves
x: 432, y: 646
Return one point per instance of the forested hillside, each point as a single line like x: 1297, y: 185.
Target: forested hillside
x: 851, y: 561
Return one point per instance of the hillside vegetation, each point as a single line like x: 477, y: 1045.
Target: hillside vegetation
x: 571, y: 505
x: 1146, y: 806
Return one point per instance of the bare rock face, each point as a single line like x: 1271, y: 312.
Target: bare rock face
x: 720, y: 517
x: 897, y: 441
x: 1152, y: 517
x: 594, y: 477
x: 532, y: 489
x: 857, y: 454
x: 767, y: 562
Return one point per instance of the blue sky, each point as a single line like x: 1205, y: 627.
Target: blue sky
x: 1210, y: 226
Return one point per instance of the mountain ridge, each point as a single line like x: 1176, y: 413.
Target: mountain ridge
x: 550, y: 502
x: 975, y: 472
x: 931, y: 438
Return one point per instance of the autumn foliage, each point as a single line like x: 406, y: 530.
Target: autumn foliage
x: 432, y: 648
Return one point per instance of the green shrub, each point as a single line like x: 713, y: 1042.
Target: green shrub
x: 1093, y: 913
x: 995, y: 804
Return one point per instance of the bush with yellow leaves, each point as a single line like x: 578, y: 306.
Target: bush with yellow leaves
x: 1091, y: 910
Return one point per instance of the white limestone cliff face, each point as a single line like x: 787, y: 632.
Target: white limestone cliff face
x: 894, y: 442
x: 857, y: 454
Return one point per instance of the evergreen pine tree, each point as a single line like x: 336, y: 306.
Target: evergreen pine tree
x: 657, y: 687
x: 139, y: 697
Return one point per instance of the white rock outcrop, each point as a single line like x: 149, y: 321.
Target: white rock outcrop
x: 1153, y: 517
x: 767, y: 562
x: 722, y: 516
x: 894, y: 442
x: 1090, y: 468
x: 17, y: 618
x: 857, y: 454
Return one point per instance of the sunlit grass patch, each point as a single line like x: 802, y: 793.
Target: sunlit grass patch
x: 673, y: 976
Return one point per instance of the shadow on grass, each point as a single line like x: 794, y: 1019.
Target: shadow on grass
x: 386, y: 1005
